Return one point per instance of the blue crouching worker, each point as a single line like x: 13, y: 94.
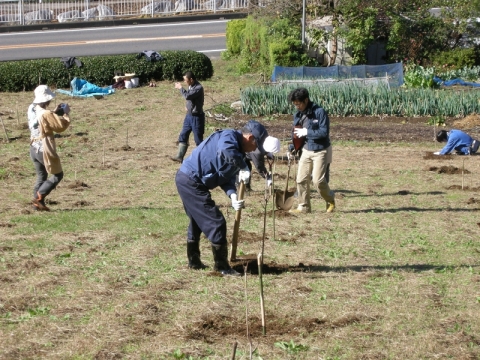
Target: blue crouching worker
x: 458, y: 141
x: 216, y: 162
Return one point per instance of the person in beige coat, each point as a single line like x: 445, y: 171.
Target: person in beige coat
x: 43, y: 123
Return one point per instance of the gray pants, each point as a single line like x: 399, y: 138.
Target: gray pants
x: 42, y: 185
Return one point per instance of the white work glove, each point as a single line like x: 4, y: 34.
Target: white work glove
x: 290, y: 155
x: 237, y: 204
x: 244, y: 175
x: 300, y: 132
x: 269, y: 182
x: 436, y: 153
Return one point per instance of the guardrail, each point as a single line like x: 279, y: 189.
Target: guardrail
x: 28, y: 12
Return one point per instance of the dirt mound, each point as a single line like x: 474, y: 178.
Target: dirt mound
x: 468, y: 122
x: 77, y: 185
x: 449, y: 170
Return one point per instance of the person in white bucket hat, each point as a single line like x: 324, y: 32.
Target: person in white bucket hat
x: 42, y: 124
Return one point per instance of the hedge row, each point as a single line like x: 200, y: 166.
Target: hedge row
x: 25, y: 75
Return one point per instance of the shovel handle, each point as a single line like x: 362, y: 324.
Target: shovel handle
x: 236, y: 225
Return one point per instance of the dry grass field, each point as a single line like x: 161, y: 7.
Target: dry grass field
x: 392, y: 274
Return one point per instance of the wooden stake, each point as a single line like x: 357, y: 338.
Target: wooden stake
x: 18, y: 120
x: 234, y: 350
x: 5, y: 130
x: 262, y: 307
x: 463, y: 172
x: 103, y: 157
x: 127, y: 137
x: 273, y: 201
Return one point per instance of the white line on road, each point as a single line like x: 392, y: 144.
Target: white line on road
x: 90, y: 42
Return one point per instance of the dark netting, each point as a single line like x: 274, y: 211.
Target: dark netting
x: 391, y: 74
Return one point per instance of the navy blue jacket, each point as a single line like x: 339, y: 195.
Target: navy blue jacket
x: 194, y: 97
x: 217, y: 160
x: 258, y: 159
x: 318, y: 127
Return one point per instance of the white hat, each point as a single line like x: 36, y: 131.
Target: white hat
x: 43, y: 94
x: 271, y: 145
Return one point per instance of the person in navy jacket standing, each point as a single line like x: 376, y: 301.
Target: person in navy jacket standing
x: 311, y: 123
x: 195, y: 118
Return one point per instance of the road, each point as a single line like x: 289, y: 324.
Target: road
x: 204, y: 36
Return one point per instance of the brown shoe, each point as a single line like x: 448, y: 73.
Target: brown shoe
x: 39, y: 203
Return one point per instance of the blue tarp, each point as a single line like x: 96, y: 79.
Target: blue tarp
x: 454, y: 82
x: 82, y: 88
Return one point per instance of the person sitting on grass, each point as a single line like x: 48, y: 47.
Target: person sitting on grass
x: 458, y: 141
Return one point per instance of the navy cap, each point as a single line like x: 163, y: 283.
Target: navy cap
x: 259, y: 133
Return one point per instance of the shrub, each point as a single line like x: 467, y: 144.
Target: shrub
x: 177, y: 62
x: 288, y: 52
x: 456, y: 59
x: 25, y: 75
x: 234, y: 35
x: 260, y: 43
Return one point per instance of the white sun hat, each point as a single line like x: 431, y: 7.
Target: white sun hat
x: 43, y: 94
x: 271, y: 145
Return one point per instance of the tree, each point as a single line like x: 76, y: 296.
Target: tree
x: 409, y: 29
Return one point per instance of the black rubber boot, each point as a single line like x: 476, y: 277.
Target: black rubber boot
x: 193, y: 254
x: 220, y: 256
x: 182, y: 149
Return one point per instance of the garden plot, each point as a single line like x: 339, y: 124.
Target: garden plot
x: 393, y: 273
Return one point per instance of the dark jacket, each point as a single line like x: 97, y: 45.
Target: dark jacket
x: 315, y: 120
x: 258, y: 159
x: 217, y: 160
x: 194, y: 97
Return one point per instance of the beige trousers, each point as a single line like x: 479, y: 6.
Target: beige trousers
x: 313, y: 165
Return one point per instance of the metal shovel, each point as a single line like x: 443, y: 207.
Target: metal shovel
x: 284, y: 199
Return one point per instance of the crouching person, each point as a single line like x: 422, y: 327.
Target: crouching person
x: 457, y: 141
x: 215, y: 162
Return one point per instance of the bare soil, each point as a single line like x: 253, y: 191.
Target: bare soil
x: 391, y: 129
x: 367, y: 281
